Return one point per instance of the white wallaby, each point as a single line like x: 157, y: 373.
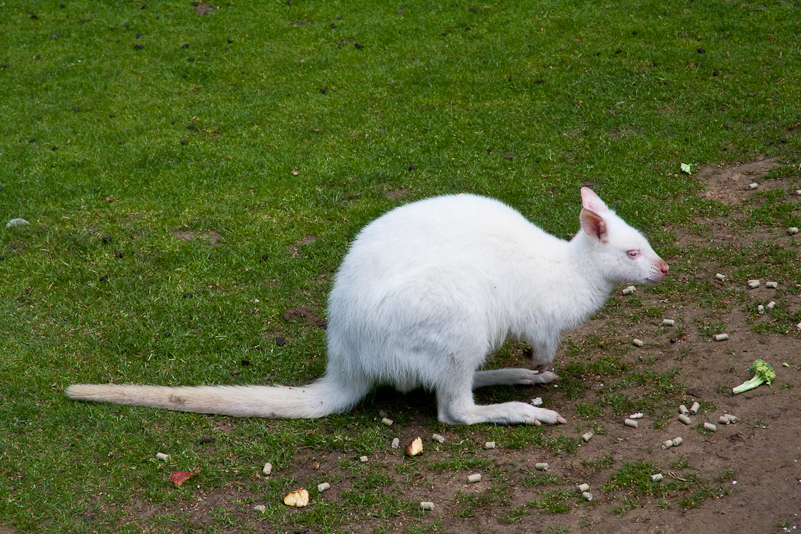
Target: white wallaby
x: 426, y: 293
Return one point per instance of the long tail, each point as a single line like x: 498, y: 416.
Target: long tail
x: 318, y: 399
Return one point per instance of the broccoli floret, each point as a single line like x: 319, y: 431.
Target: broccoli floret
x: 762, y: 372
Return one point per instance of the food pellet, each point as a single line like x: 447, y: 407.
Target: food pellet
x: 629, y: 290
x: 772, y: 285
x: 489, y: 445
x: 771, y: 305
x: 710, y: 427
x: 541, y: 466
x: 630, y: 422
x: 587, y: 437
x: 753, y: 185
x: 163, y: 457
x: 587, y: 496
x: 753, y: 284
x: 668, y: 322
x: 684, y: 419
x: 387, y: 421
x: 727, y: 419
x: 324, y: 486
x: 721, y: 277
x: 798, y: 327
x: 363, y: 459
x: 426, y: 505
x: 694, y: 408
x: 474, y: 478
x: 677, y: 441
x: 657, y: 477
x: 792, y: 230
x: 798, y: 192
x: 683, y: 409
x: 721, y: 337
x: 637, y: 342
x: 268, y: 468
x: 260, y: 508
x: 637, y: 415
x: 583, y: 487
x: 761, y: 309
x: 395, y: 443
x: 667, y: 444
x: 437, y: 437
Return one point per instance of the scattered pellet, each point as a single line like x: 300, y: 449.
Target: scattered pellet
x: 721, y: 277
x: 694, y: 408
x: 583, y: 487
x: 587, y: 496
x: 541, y: 466
x: 667, y: 444
x: 637, y: 415
x: 677, y: 441
x: 798, y: 192
x: 387, y: 421
x: 772, y: 285
x: 323, y: 487
x: 727, y: 419
x: 587, y: 437
x: 395, y: 443
x: 721, y: 337
x: 163, y: 457
x: 489, y: 445
x: 629, y: 290
x: 761, y: 309
x: 637, y: 342
x: 260, y: 508
x: 630, y: 422
x: 684, y: 419
x: 363, y: 459
x: 710, y: 427
x: 792, y: 230
x: 437, y: 437
x: 474, y: 478
x: 537, y: 401
x: 753, y: 185
x: 683, y: 409
x: 268, y: 468
x: 753, y: 283
x: 798, y: 327
x: 426, y: 505
x: 657, y: 477
x: 770, y: 305
x: 668, y: 322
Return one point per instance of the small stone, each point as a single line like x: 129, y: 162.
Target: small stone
x: 491, y: 444
x: 163, y: 457
x: 16, y: 222
x: 474, y: 478
x: 541, y: 466
x: 279, y: 341
x: 323, y: 487
x: 268, y: 468
x: 260, y: 508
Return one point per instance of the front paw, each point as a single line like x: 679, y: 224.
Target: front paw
x: 536, y: 416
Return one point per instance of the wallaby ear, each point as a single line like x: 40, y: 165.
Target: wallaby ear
x: 591, y: 201
x: 593, y: 224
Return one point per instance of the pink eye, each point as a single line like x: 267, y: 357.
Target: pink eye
x: 633, y: 253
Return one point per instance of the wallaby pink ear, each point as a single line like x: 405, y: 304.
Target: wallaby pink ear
x: 593, y: 224
x: 591, y: 201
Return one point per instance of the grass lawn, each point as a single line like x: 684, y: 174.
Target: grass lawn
x: 192, y: 172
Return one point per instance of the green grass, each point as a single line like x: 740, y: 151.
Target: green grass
x: 277, y: 137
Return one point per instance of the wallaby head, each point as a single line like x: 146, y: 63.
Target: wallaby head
x: 618, y: 249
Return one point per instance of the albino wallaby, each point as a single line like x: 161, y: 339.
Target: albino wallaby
x: 426, y: 293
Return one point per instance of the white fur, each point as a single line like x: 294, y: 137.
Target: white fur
x: 426, y: 293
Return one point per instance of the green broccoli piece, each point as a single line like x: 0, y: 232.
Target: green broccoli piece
x: 762, y: 372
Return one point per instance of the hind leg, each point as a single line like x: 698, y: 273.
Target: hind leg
x: 455, y: 406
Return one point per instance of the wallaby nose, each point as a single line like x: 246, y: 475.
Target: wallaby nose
x: 664, y: 267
